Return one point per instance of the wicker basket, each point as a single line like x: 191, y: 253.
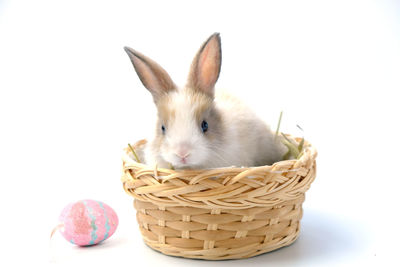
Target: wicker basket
x: 218, y: 214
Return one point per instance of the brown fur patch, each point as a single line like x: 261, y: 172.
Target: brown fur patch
x: 166, y: 111
x: 206, y: 110
x: 202, y: 102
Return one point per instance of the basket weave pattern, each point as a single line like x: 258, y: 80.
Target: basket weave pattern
x: 225, y: 213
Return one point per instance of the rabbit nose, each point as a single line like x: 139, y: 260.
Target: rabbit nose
x: 183, y: 151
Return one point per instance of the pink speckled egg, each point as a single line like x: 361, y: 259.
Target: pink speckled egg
x: 88, y: 222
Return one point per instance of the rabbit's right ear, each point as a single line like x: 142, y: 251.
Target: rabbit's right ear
x: 152, y: 75
x: 206, y: 66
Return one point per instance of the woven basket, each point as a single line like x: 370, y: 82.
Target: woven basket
x: 218, y: 214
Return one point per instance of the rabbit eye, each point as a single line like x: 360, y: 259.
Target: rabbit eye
x: 163, y: 129
x: 204, y: 126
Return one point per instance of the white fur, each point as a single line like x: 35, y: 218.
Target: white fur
x: 249, y: 140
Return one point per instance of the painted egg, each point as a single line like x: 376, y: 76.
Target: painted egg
x: 88, y: 222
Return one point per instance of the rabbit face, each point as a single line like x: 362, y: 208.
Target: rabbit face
x: 188, y: 128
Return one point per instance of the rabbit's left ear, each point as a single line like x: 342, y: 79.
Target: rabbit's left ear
x: 206, y: 66
x: 152, y: 75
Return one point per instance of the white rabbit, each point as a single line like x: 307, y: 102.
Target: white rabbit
x: 197, y: 128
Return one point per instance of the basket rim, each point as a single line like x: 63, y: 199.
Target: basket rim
x: 221, y: 188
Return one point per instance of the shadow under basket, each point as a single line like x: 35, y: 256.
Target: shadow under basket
x: 219, y: 214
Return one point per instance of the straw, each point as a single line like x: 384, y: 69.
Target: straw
x: 134, y: 153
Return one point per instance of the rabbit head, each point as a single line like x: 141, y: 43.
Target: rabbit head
x: 189, y: 126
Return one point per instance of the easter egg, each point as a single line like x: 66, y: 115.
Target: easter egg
x: 87, y: 222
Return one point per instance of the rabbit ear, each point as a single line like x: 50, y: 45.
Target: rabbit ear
x: 152, y: 75
x: 206, y: 66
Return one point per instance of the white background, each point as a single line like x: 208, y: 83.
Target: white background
x: 70, y: 101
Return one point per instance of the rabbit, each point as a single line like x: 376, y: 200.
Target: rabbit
x: 198, y: 128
